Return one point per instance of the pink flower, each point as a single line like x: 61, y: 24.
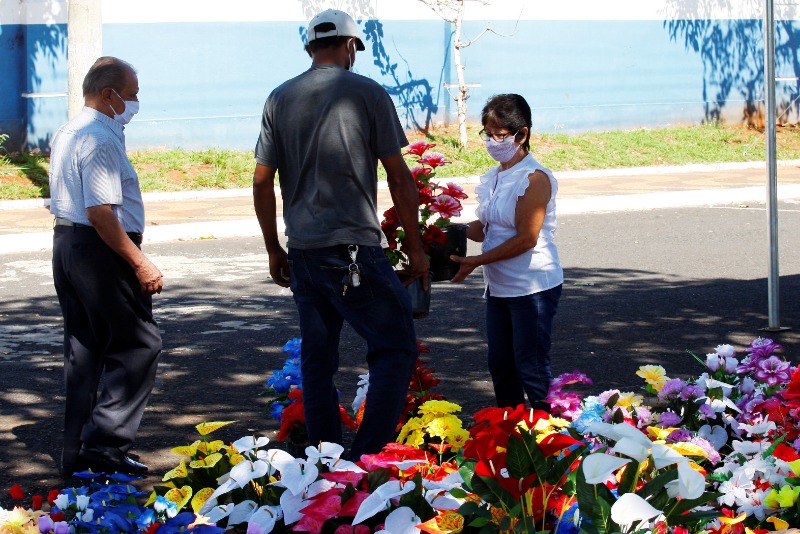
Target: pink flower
x: 454, y: 190
x: 418, y: 148
x: 433, y: 159
x: 773, y: 371
x: 417, y: 171
x: 446, y: 206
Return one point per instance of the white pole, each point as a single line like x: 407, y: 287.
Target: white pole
x: 772, y: 182
x: 84, y: 46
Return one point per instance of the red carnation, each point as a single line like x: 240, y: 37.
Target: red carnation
x: 16, y: 492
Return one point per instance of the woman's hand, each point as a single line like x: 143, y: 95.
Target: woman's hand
x: 468, y: 264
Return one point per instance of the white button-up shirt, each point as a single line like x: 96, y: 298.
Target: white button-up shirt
x: 89, y: 167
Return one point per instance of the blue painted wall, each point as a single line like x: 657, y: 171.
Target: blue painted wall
x: 204, y: 84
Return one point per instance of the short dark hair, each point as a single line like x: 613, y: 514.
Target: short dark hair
x: 510, y: 111
x: 327, y: 42
x: 107, y: 71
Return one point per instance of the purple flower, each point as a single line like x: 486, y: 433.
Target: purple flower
x: 644, y: 416
x: 773, y: 371
x: 691, y: 393
x: 762, y: 347
x: 564, y: 403
x: 706, y: 412
x: 711, y: 453
x: 747, y: 385
x: 679, y: 435
x: 672, y: 389
x: 668, y: 419
x: 575, y: 377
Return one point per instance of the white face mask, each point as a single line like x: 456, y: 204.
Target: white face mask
x: 351, y: 60
x: 502, y: 151
x: 131, y: 109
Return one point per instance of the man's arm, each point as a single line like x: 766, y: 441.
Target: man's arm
x: 266, y: 211
x: 405, y: 196
x: 111, y: 232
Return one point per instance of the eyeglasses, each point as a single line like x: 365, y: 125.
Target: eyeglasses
x: 483, y: 134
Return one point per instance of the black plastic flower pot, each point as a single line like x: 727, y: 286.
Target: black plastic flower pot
x: 442, y: 267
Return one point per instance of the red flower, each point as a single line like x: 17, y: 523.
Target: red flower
x: 52, y: 496
x: 418, y: 148
x: 446, y: 206
x: 425, y: 194
x: 422, y: 349
x: 432, y: 235
x: 416, y: 172
x: 454, y: 190
x: 60, y: 516
x: 433, y: 159
x: 153, y: 527
x: 390, y: 217
x: 351, y: 505
x: 16, y: 492
x: 36, y: 502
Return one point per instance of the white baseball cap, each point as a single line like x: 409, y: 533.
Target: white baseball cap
x: 343, y: 24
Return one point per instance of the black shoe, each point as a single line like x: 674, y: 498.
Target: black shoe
x: 110, y: 460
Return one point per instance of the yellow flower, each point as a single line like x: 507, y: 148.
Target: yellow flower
x: 207, y: 428
x: 236, y: 458
x: 629, y: 400
x: 438, y: 407
x: 783, y: 498
x: 458, y: 440
x: 209, y: 461
x: 178, y: 472
x: 209, y: 447
x: 655, y: 375
x: 688, y: 449
x: 443, y: 426
x: 187, y: 450
x: 410, y: 426
x: 795, y: 467
x: 200, y: 498
x: 447, y: 523
x: 179, y: 496
x: 659, y: 434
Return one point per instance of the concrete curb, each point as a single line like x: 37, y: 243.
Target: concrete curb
x: 42, y: 241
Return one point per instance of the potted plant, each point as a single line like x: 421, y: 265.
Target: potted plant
x: 437, y: 205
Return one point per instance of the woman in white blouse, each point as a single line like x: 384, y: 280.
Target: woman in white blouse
x: 521, y: 270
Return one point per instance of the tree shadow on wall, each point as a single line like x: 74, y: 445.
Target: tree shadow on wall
x: 414, y: 95
x: 732, y: 52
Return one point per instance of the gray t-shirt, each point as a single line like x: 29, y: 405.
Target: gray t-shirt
x: 324, y: 131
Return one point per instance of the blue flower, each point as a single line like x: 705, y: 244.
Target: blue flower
x: 276, y: 410
x: 147, y: 518
x: 280, y: 382
x: 292, y: 347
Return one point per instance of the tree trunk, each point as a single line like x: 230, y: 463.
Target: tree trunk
x: 461, y: 96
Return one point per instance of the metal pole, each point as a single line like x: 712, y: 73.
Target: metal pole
x: 772, y: 182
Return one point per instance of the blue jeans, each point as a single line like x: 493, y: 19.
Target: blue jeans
x: 379, y: 310
x: 518, y: 332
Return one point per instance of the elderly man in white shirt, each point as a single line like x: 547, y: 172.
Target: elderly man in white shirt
x: 103, y: 280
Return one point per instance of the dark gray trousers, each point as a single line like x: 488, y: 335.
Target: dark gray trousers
x: 111, y: 342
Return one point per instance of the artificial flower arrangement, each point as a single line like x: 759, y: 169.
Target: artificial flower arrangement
x: 443, y: 201
x: 718, y: 454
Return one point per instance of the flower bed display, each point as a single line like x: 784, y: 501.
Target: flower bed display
x: 715, y: 454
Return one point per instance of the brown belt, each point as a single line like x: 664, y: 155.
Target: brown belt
x: 134, y: 236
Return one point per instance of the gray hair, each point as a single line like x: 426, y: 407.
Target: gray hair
x: 107, y: 71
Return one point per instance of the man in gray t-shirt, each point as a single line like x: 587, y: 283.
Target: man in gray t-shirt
x: 323, y: 133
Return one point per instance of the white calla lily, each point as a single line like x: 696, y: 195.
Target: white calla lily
x: 402, y: 521
x: 298, y: 475
x: 633, y: 448
x: 664, y: 456
x: 223, y: 488
x: 243, y: 472
x: 325, y: 450
x: 442, y: 500
x: 691, y: 484
x: 599, y: 466
x: 630, y: 508
x: 217, y: 513
x: 264, y: 519
x: 248, y: 443
x: 378, y: 500
x: 291, y: 505
x: 241, y: 512
x: 341, y: 465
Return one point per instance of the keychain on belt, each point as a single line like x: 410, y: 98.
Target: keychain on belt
x: 353, y: 276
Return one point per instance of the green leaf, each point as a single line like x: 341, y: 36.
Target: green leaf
x: 518, y: 458
x: 658, y: 483
x: 564, y: 466
x: 458, y: 493
x: 630, y: 476
x: 684, y: 505
x: 491, y: 491
x: 594, y: 503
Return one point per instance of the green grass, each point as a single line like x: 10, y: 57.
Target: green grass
x: 25, y: 175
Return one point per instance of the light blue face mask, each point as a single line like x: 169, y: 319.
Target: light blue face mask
x: 131, y: 109
x: 502, y: 151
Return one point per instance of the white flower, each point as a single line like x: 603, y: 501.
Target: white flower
x: 402, y: 521
x: 297, y: 475
x: 725, y: 351
x: 631, y: 508
x: 62, y: 501
x: 263, y: 520
x: 759, y: 429
x: 713, y: 362
x: 731, y: 364
x: 323, y: 451
x: 241, y: 512
x: 361, y: 392
x: 747, y: 385
x: 735, y: 490
x: 82, y: 501
x: 597, y: 467
x: 248, y: 443
x: 379, y: 499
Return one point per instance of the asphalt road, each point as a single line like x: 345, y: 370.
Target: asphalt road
x: 642, y: 287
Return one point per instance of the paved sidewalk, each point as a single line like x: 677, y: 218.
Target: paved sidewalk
x: 26, y: 226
